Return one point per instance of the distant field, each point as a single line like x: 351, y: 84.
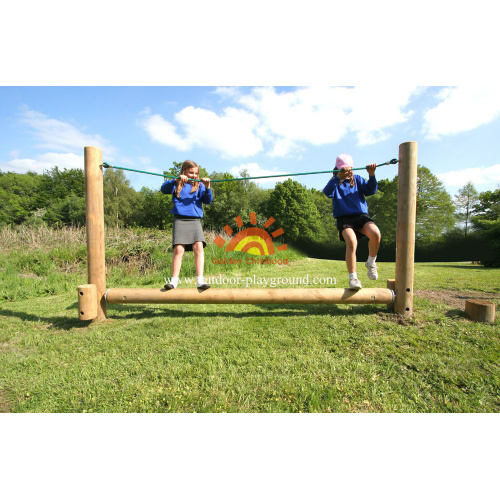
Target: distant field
x: 235, y: 358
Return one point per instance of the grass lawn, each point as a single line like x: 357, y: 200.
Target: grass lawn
x: 245, y: 358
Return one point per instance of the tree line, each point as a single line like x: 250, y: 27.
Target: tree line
x: 466, y: 227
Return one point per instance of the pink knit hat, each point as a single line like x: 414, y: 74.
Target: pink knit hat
x: 344, y: 160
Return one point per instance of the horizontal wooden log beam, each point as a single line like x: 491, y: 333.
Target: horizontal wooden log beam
x: 250, y: 296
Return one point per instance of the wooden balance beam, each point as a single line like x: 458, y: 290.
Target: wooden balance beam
x: 92, y: 303
x: 250, y: 296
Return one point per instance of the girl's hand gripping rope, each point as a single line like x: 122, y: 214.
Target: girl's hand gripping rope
x: 371, y: 169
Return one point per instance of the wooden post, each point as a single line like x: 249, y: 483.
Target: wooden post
x: 405, y: 230
x: 480, y: 310
x: 94, y: 201
x: 87, y: 302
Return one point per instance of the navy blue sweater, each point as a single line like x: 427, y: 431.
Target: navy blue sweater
x: 189, y: 204
x: 347, y: 199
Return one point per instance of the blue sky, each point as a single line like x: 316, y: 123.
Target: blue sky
x: 264, y: 130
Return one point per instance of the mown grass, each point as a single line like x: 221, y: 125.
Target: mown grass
x: 236, y: 358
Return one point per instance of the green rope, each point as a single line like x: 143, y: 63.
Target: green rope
x: 105, y: 165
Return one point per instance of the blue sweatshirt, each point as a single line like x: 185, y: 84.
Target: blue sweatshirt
x: 349, y: 200
x: 189, y: 204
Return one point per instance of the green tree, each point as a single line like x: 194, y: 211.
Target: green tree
x: 486, y: 219
x: 435, y: 210
x: 327, y: 227
x: 67, y: 211
x: 383, y: 209
x: 120, y: 199
x: 154, y: 209
x: 487, y: 207
x: 256, y: 199
x: 19, y: 196
x: 465, y: 201
x: 232, y: 199
x: 228, y: 202
x: 57, y: 184
x: 62, y: 194
x: 292, y: 205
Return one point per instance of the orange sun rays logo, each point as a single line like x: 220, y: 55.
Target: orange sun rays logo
x: 253, y: 240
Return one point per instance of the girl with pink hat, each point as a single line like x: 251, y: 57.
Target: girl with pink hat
x: 348, y: 192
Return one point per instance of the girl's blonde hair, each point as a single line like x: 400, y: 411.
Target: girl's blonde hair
x: 186, y: 166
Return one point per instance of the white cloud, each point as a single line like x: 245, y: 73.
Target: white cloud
x: 462, y: 109
x: 162, y: 131
x: 61, y: 136
x: 254, y: 170
x: 375, y: 109
x: 43, y: 162
x: 284, y: 147
x: 486, y: 178
x: 64, y: 139
x: 286, y: 121
x: 320, y: 116
x: 367, y: 137
x: 231, y: 134
x: 227, y: 92
x: 305, y: 115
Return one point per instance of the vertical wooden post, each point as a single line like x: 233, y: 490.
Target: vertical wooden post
x: 94, y: 201
x: 405, y: 231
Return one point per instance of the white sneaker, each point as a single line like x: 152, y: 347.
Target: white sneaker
x: 372, y: 270
x: 355, y: 284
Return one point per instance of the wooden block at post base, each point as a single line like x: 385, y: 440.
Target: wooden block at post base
x: 87, y: 302
x: 480, y: 310
x: 391, y: 285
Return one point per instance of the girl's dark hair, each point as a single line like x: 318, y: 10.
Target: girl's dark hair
x: 352, y: 180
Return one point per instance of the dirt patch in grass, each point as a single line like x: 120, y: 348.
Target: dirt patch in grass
x: 455, y: 298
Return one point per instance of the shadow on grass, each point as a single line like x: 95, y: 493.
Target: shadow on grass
x: 276, y: 310
x: 142, y: 311
x: 456, y: 314
x: 470, y: 267
x: 56, y: 322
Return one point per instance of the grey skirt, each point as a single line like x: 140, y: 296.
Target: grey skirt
x: 187, y: 230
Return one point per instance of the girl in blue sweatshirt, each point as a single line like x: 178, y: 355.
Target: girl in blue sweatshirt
x: 348, y: 192
x: 188, y: 197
